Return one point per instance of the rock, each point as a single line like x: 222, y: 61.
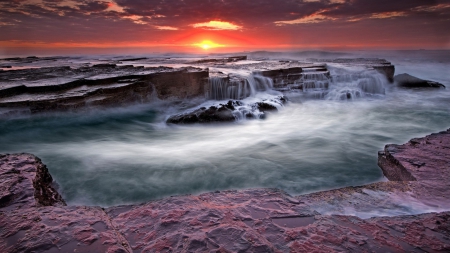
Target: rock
x: 59, y: 229
x: 265, y: 107
x: 220, y: 113
x: 419, y: 175
x: 229, y: 112
x: 221, y: 60
x: 408, y: 81
x: 26, y: 182
x: 66, y: 88
x: 418, y: 159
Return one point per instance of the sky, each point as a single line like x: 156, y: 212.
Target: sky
x: 222, y: 25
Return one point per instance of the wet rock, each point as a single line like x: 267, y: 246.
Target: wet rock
x: 408, y: 81
x: 231, y: 111
x: 220, y: 113
x: 67, y: 88
x: 265, y: 107
x: 134, y: 59
x: 381, y: 65
x: 221, y: 60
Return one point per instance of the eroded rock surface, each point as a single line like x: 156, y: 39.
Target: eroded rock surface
x: 35, y: 218
x: 42, y: 89
x: 409, y: 81
x: 26, y: 182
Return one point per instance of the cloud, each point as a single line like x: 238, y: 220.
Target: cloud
x: 389, y: 14
x: 217, y: 25
x: 167, y: 28
x: 314, y: 18
x: 262, y: 20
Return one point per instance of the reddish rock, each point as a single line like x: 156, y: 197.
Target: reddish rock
x: 26, y: 182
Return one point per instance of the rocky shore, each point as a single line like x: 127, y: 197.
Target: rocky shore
x: 35, y: 218
x: 35, y: 85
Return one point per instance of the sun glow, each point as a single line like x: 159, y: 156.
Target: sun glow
x: 207, y: 44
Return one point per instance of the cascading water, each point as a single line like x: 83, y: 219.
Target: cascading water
x: 314, y: 81
x: 221, y: 89
x: 224, y: 88
x: 355, y: 85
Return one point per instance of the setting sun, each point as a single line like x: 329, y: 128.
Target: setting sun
x: 207, y: 44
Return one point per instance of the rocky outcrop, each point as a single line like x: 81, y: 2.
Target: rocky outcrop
x: 66, y: 88
x: 34, y: 85
x: 253, y: 220
x: 26, y: 182
x: 381, y: 65
x: 221, y: 60
x: 220, y: 113
x: 229, y: 112
x: 408, y: 81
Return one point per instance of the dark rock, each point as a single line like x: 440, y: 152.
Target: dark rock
x: 408, y: 81
x: 134, y: 59
x: 104, y: 65
x: 226, y: 112
x: 265, y: 107
x: 221, y: 113
x: 221, y: 60
x: 66, y: 88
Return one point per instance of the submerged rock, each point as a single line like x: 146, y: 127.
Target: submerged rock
x: 408, y: 81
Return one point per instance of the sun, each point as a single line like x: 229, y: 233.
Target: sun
x: 207, y: 44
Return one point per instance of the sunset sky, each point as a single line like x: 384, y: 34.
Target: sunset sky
x: 224, y: 25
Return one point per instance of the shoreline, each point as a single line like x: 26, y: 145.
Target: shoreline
x: 34, y: 216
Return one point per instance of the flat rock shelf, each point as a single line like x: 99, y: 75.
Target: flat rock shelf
x: 35, y: 218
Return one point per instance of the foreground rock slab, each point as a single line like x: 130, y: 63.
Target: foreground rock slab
x: 253, y: 220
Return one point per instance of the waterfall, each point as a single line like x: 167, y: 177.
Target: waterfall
x: 224, y: 88
x: 314, y: 81
x: 354, y: 85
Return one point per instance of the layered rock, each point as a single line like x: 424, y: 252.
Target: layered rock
x: 253, y: 220
x: 408, y: 81
x: 26, y: 182
x: 381, y: 65
x: 66, y: 88
x: 221, y: 60
x: 33, y: 85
